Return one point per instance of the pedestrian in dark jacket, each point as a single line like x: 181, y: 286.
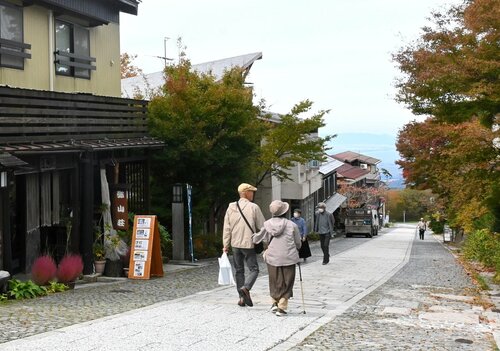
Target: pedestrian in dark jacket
x: 283, y: 239
x: 304, y: 251
x: 324, y: 225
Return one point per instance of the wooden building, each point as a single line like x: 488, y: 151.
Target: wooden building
x: 62, y: 123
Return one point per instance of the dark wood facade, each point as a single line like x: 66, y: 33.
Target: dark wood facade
x: 97, y: 12
x: 53, y: 147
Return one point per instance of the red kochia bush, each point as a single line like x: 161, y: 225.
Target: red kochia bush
x: 43, y: 270
x: 70, y: 268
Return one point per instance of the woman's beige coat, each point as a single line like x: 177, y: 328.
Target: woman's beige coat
x: 285, y: 243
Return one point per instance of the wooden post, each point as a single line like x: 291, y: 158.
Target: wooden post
x: 5, y: 246
x: 87, y: 213
x: 75, y: 207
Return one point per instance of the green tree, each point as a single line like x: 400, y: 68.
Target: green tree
x: 413, y: 203
x: 216, y: 138
x: 289, y: 140
x: 211, y: 132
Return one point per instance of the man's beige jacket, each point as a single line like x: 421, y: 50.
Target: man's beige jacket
x: 236, y: 231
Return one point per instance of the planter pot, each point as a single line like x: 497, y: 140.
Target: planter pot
x: 70, y: 285
x: 99, y: 266
x: 113, y: 268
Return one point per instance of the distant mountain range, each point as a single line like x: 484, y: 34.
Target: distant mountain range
x: 381, y: 146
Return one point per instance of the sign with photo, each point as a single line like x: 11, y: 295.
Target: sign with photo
x: 142, y: 234
x: 143, y: 222
x: 140, y: 255
x: 146, y: 259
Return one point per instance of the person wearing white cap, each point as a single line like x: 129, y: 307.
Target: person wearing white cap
x: 422, y: 226
x: 242, y: 219
x: 283, y: 239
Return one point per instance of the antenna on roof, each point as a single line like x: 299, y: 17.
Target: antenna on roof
x: 164, y: 57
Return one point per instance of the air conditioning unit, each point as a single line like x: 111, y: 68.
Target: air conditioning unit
x: 363, y: 166
x: 314, y: 164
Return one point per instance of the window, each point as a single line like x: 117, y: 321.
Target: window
x: 11, y: 37
x: 73, y: 50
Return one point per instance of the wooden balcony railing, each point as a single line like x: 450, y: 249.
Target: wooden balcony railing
x: 31, y: 116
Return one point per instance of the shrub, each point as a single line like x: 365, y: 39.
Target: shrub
x: 483, y: 246
x: 25, y: 290
x: 437, y: 226
x: 207, y: 245
x: 313, y: 236
x: 54, y: 287
x: 70, y: 268
x: 165, y: 241
x: 44, y: 269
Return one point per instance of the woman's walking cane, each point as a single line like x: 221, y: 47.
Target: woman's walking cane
x: 302, y: 290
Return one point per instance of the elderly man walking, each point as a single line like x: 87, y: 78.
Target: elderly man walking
x: 324, y: 225
x: 243, y: 218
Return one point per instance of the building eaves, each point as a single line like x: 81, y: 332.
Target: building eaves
x: 329, y: 167
x: 85, y: 145
x: 335, y: 202
x: 350, y: 156
x: 153, y: 81
x: 10, y: 161
x: 350, y: 172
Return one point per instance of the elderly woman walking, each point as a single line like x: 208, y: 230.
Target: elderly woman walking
x: 283, y: 239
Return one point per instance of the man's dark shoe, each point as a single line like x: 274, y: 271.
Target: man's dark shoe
x: 241, y: 302
x: 280, y: 312
x: 246, y: 296
x: 325, y: 262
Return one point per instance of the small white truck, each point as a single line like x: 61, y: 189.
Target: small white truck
x: 361, y: 221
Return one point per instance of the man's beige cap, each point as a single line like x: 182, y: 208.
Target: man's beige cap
x: 246, y: 187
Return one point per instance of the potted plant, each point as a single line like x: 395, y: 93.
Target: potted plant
x: 99, y: 257
x: 115, y: 248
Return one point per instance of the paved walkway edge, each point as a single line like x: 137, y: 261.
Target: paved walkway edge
x: 302, y: 334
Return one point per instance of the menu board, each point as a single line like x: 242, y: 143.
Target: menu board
x: 145, y: 258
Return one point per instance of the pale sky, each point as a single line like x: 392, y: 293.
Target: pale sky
x: 336, y: 53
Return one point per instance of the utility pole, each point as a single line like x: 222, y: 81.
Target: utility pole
x: 164, y: 57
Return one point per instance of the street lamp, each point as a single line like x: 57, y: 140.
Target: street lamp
x: 177, y: 193
x: 3, y: 179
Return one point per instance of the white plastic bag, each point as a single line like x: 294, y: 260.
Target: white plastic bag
x: 225, y: 271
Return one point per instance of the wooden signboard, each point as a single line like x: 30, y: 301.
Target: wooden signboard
x: 145, y: 250
x: 119, y: 208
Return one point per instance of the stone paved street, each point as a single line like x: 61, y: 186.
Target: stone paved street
x: 386, y: 293
x: 28, y: 317
x: 425, y: 306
